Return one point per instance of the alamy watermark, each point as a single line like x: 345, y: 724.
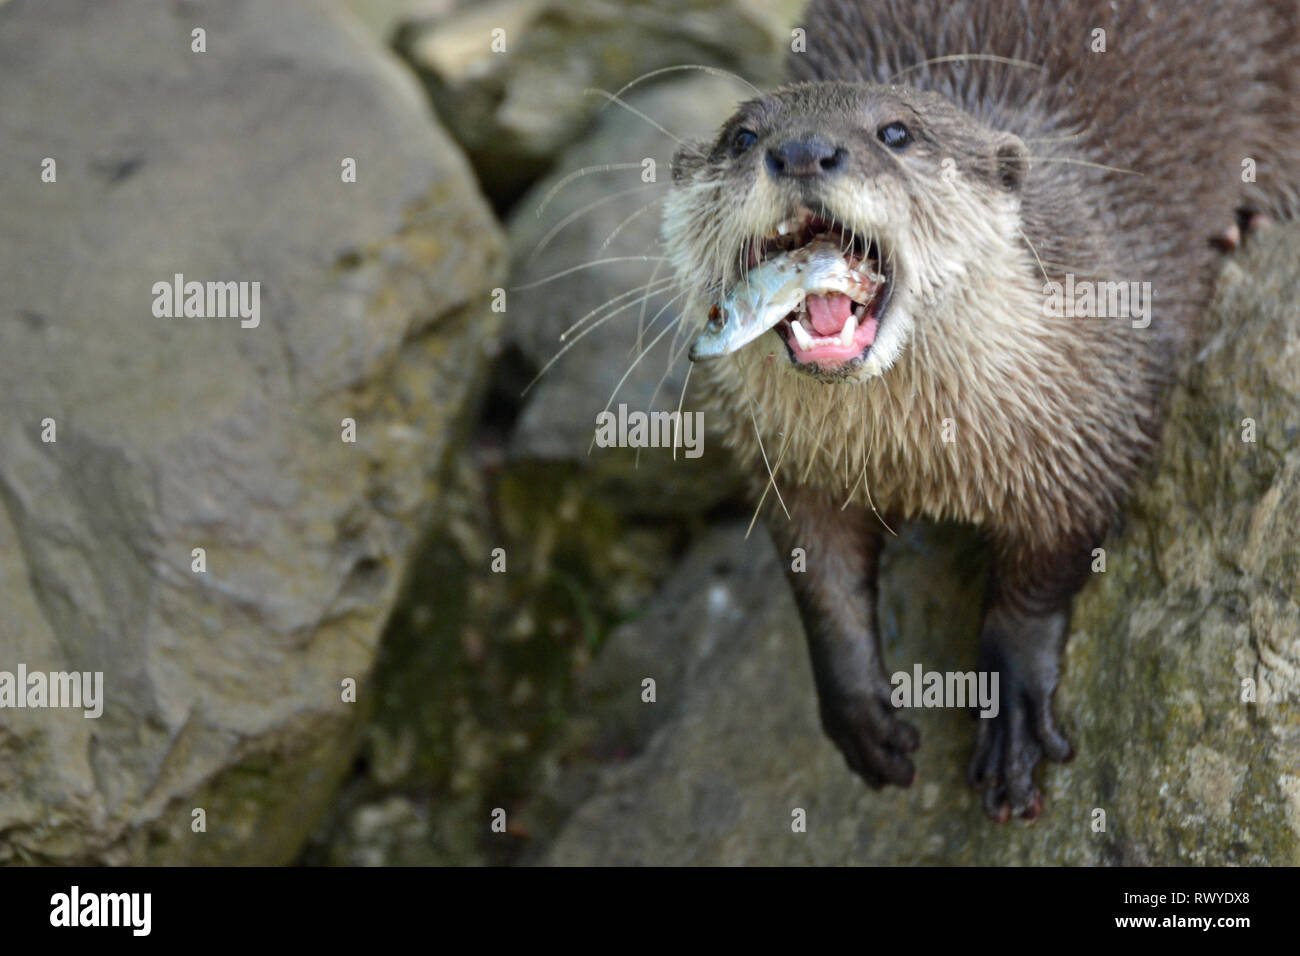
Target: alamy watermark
x: 77, y: 690
x: 208, y: 300
x: 1085, y: 298
x: 922, y: 688
x: 130, y: 910
x: 651, y: 430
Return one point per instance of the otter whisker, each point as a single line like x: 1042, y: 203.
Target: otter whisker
x: 677, y: 425
x: 716, y: 71
x: 577, y: 174
x: 771, y: 475
x: 576, y: 339
x: 663, y: 284
x: 1084, y: 162
x: 818, y: 441
x: 586, y: 265
x: 666, y: 306
x: 1079, y: 273
x: 1055, y: 139
x: 861, y: 475
x: 637, y: 361
x: 640, y: 319
x: 844, y: 453
x: 675, y: 354
x: 867, y: 488
x: 579, y: 213
x: 681, y: 324
x: 621, y: 225
x: 613, y: 98
x: 1035, y: 252
x: 672, y: 360
x: 961, y: 57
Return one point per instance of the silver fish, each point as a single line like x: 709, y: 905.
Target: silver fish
x: 772, y: 290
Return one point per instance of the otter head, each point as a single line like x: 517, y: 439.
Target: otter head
x: 912, y: 188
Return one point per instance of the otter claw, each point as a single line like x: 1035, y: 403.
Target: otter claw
x: 1008, y: 748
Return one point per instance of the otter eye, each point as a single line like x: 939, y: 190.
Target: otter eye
x: 894, y: 135
x: 742, y: 140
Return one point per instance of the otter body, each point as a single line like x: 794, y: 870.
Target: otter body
x: 985, y: 187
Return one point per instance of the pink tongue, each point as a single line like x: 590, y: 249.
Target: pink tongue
x: 828, y: 313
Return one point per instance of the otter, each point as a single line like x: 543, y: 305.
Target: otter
x: 980, y: 157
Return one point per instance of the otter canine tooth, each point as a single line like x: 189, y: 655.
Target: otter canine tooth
x: 801, y: 334
x: 846, y: 334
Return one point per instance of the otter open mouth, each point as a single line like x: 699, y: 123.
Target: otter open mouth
x: 833, y: 327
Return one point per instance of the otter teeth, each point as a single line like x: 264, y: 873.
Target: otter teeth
x: 846, y: 334
x: 801, y: 335
x: 807, y: 342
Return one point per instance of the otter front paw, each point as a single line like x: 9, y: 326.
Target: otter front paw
x: 871, y: 738
x: 1009, y: 746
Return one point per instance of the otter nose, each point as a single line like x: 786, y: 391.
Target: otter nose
x: 805, y: 156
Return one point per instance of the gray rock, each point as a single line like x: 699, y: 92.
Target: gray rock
x: 222, y: 689
x: 475, y: 676
x: 515, y: 108
x: 1199, y: 595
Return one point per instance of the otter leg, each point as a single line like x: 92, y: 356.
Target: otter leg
x: 836, y: 595
x: 1022, y: 639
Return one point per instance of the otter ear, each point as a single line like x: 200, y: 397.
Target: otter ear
x: 1010, y: 161
x: 688, y: 158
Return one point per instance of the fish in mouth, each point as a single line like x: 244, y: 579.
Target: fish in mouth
x: 824, y: 291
